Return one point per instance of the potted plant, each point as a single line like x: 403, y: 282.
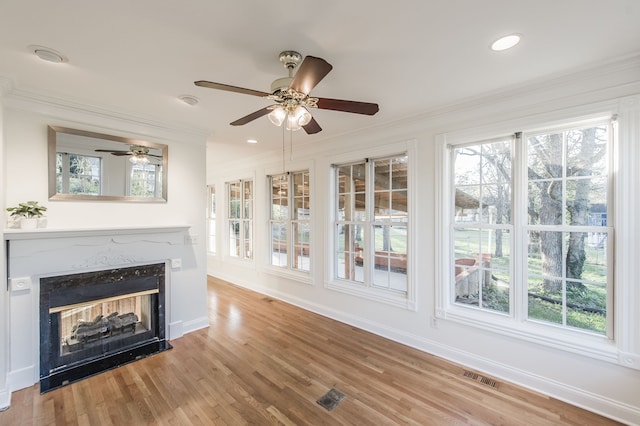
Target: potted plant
x: 27, y: 214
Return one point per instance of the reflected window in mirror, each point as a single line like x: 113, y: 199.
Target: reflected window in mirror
x: 86, y: 165
x: 78, y: 174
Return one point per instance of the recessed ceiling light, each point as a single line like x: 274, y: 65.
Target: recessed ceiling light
x: 48, y: 54
x: 506, y: 42
x: 252, y: 141
x: 189, y: 100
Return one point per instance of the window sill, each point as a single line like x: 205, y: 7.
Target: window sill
x: 302, y: 277
x: 578, y: 342
x: 377, y: 295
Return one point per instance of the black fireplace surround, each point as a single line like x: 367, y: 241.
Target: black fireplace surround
x: 62, y: 363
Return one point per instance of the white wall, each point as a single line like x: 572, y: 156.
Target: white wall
x: 603, y: 386
x: 24, y: 165
x: 5, y: 395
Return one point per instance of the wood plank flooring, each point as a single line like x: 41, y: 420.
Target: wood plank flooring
x: 264, y: 362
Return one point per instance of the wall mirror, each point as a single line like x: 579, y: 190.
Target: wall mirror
x: 93, y: 166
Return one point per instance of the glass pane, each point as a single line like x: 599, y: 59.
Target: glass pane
x: 279, y: 244
x: 382, y: 206
x: 344, y: 179
x: 496, y: 204
x: 248, y: 199
x: 587, y: 151
x: 587, y: 306
x: 467, y: 165
x: 84, y: 175
x: 399, y: 172
x: 467, y: 203
x: 544, y: 306
x: 587, y: 202
x: 234, y: 200
x: 302, y: 238
x: 399, y: 206
x: 382, y: 174
x: 467, y: 282
x: 545, y: 202
x: 496, y: 162
x: 496, y: 248
x: 234, y: 238
x: 350, y: 252
x: 466, y: 243
x: 360, y: 208
x: 212, y: 201
x: 544, y: 154
x: 390, y: 239
x: 248, y: 243
x: 545, y: 253
x: 359, y: 177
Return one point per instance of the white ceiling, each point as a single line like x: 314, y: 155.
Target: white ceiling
x: 409, y: 56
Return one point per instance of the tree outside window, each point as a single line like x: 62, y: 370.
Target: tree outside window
x: 565, y: 226
x: 78, y: 174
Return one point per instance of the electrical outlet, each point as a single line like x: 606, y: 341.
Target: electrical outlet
x: 191, y: 239
x: 19, y: 284
x: 176, y: 263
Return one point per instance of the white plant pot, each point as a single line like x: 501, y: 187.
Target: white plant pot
x: 29, y: 223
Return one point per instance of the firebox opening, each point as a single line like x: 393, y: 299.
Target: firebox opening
x: 94, y: 321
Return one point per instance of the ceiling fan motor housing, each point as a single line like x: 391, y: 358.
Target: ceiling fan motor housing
x: 280, y: 84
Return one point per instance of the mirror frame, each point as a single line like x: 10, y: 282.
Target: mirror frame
x: 54, y: 195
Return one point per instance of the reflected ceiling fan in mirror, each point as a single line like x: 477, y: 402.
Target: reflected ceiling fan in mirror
x: 291, y: 95
x: 138, y: 154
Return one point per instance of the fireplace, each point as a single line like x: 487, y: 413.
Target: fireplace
x: 94, y: 321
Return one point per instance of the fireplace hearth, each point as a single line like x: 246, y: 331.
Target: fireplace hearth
x: 91, y: 322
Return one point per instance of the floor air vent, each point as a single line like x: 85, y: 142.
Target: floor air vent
x: 331, y: 399
x: 479, y: 378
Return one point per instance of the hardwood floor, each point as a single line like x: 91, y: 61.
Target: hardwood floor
x: 264, y: 362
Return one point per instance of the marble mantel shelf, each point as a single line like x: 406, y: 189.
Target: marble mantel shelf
x: 44, y: 233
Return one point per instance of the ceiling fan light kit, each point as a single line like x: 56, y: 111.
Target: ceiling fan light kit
x: 291, y: 95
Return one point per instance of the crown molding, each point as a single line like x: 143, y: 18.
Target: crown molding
x: 62, y: 109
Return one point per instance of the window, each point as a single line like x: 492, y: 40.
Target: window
x: 211, y: 219
x: 145, y: 180
x: 371, y: 224
x: 290, y: 227
x: 78, y: 174
x: 240, y: 221
x: 530, y: 227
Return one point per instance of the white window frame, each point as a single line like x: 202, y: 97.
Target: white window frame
x: 365, y: 290
x: 212, y: 207
x: 243, y: 256
x: 157, y: 188
x: 289, y: 222
x: 625, y: 348
x: 66, y: 171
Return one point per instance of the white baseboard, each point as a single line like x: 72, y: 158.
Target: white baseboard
x: 5, y: 399
x: 195, y: 324
x: 23, y: 378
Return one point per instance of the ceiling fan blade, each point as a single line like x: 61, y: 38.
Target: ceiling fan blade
x: 310, y: 72
x: 112, y: 151
x: 312, y: 127
x: 254, y: 115
x: 228, y: 88
x: 348, y: 106
x: 121, y: 153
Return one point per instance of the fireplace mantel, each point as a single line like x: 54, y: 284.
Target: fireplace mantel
x: 43, y: 253
x: 45, y: 233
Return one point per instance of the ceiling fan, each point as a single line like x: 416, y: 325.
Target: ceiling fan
x: 291, y: 95
x: 138, y: 153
